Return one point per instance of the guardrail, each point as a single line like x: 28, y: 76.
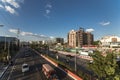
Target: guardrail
x: 2, y: 76
x: 3, y: 73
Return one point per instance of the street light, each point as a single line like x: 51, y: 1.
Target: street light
x: 76, y: 59
x: 8, y: 57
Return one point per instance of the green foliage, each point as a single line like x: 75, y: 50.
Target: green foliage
x: 117, y: 77
x: 105, y: 66
x: 3, y: 56
x: 96, y: 43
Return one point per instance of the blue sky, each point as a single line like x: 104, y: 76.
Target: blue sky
x: 57, y: 17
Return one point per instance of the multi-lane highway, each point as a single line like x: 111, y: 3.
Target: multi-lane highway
x: 35, y: 62
x: 82, y: 64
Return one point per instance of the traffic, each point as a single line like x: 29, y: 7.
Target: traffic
x: 30, y: 66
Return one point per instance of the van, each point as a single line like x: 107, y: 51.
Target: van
x: 25, y: 67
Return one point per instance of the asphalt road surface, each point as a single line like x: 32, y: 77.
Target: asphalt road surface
x: 35, y: 62
x: 82, y: 64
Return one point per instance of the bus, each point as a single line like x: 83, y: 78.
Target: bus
x: 49, y: 72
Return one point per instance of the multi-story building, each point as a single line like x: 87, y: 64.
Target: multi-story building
x: 59, y: 40
x: 79, y: 38
x: 72, y: 38
x: 9, y: 39
x: 4, y: 41
x: 88, y: 38
x: 110, y: 41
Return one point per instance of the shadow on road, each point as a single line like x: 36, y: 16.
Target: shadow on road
x: 60, y: 73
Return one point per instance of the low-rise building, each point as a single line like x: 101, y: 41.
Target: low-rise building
x: 110, y: 41
x: 5, y: 41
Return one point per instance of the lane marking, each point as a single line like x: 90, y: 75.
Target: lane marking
x: 13, y: 67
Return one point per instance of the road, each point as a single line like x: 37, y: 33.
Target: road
x: 35, y: 73
x: 82, y: 64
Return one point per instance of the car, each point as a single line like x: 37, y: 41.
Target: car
x: 91, y: 61
x: 25, y: 67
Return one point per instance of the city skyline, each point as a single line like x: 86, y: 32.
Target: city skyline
x: 51, y: 18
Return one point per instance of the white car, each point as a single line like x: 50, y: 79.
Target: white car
x: 25, y: 67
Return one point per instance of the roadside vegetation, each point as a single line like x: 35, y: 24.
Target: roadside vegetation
x: 63, y: 65
x: 105, y: 67
x: 7, y: 53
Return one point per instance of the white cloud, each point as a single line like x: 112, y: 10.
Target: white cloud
x: 39, y: 36
x: 89, y: 30
x: 51, y: 37
x: 42, y: 35
x: 10, y: 5
x: 49, y: 6
x: 26, y: 33
x: 105, y: 23
x: 11, y: 2
x: 32, y: 34
x: 9, y: 9
x: 1, y: 6
x: 13, y: 30
x: 48, y: 11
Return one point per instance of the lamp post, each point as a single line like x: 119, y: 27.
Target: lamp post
x: 5, y: 44
x: 8, y: 57
x: 76, y: 59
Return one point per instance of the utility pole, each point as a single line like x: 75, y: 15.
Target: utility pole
x: 5, y: 44
x: 76, y: 59
x: 18, y: 32
x: 8, y: 57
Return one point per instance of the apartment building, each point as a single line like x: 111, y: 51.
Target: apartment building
x: 79, y: 38
x: 72, y: 39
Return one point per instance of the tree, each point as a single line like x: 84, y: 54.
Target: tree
x: 96, y: 42
x: 105, y: 67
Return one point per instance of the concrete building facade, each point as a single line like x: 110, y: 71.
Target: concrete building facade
x: 72, y: 39
x: 59, y: 40
x: 110, y: 41
x: 79, y: 38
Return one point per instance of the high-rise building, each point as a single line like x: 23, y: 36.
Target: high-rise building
x: 89, y: 38
x: 72, y: 38
x: 79, y: 38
